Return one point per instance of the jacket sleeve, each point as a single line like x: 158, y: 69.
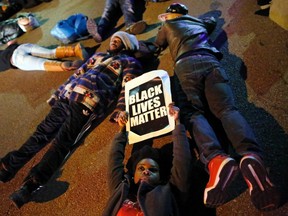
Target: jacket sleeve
x: 182, y: 159
x: 161, y: 40
x: 83, y: 69
x: 132, y: 69
x: 210, y: 24
x: 115, y: 160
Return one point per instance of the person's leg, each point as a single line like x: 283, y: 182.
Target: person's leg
x: 221, y: 103
x: 43, y: 135
x: 70, y: 51
x: 191, y: 78
x: 59, y: 52
x: 111, y: 14
x: 23, y: 59
x: 132, y: 22
x: 222, y: 169
x: 139, y: 7
x: 64, y: 140
x: 39, y: 175
x: 264, y: 194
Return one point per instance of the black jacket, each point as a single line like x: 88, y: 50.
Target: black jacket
x: 5, y: 57
x: 161, y: 200
x: 187, y: 34
x: 9, y: 30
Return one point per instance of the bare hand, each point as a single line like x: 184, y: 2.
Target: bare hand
x: 174, y: 111
x: 122, y: 118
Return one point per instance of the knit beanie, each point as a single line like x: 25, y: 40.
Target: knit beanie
x: 130, y: 41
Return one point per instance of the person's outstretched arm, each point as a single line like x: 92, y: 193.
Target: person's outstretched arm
x: 181, y: 164
x: 115, y: 160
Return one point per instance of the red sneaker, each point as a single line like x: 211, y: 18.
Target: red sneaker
x: 223, y: 170
x: 264, y: 195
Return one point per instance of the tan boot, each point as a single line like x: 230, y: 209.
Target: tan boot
x: 57, y: 66
x: 71, y: 51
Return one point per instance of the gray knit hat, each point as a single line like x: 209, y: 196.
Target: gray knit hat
x: 130, y: 41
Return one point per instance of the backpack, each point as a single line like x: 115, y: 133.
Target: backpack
x: 72, y: 29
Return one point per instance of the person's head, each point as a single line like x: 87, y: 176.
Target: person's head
x: 144, y: 165
x: 173, y: 11
x: 123, y: 41
x: 27, y: 22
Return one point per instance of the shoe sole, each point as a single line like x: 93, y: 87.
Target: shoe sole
x: 217, y: 194
x: 92, y: 30
x: 264, y: 195
x: 5, y: 175
x: 137, y: 28
x: 17, y: 200
x: 263, y: 7
x: 79, y: 51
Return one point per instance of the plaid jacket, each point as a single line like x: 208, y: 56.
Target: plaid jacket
x: 98, y: 82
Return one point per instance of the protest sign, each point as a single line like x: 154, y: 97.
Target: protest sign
x: 147, y: 98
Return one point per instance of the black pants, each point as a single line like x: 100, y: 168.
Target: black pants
x: 64, y: 123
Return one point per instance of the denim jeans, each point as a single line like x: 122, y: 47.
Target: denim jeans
x: 63, y: 124
x: 31, y: 57
x: 205, y: 84
x: 114, y: 9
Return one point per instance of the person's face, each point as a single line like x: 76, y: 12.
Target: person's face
x: 116, y: 44
x: 23, y: 21
x: 147, y: 170
x: 168, y: 16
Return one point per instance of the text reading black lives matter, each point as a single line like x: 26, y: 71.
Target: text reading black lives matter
x: 147, y: 108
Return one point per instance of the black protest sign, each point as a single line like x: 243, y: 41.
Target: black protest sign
x: 147, y: 99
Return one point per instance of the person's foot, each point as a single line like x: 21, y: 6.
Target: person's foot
x: 5, y: 175
x: 25, y: 193
x: 77, y: 63
x: 222, y: 170
x: 137, y: 28
x: 263, y: 12
x: 264, y: 195
x: 92, y: 28
x: 68, y: 66
x: 81, y: 52
x: 263, y: 2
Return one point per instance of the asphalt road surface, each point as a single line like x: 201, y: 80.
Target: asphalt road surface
x: 255, y: 57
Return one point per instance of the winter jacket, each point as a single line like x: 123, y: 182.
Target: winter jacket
x: 5, y: 57
x: 9, y: 30
x: 186, y: 34
x: 154, y: 200
x: 100, y: 81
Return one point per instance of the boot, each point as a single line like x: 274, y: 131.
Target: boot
x: 54, y: 66
x: 71, y: 51
x: 25, y: 193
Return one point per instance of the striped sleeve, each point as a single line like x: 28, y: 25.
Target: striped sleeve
x: 83, y: 69
x: 131, y: 69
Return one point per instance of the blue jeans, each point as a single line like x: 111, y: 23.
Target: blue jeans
x: 31, y: 57
x: 132, y: 11
x: 64, y: 123
x: 205, y: 85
